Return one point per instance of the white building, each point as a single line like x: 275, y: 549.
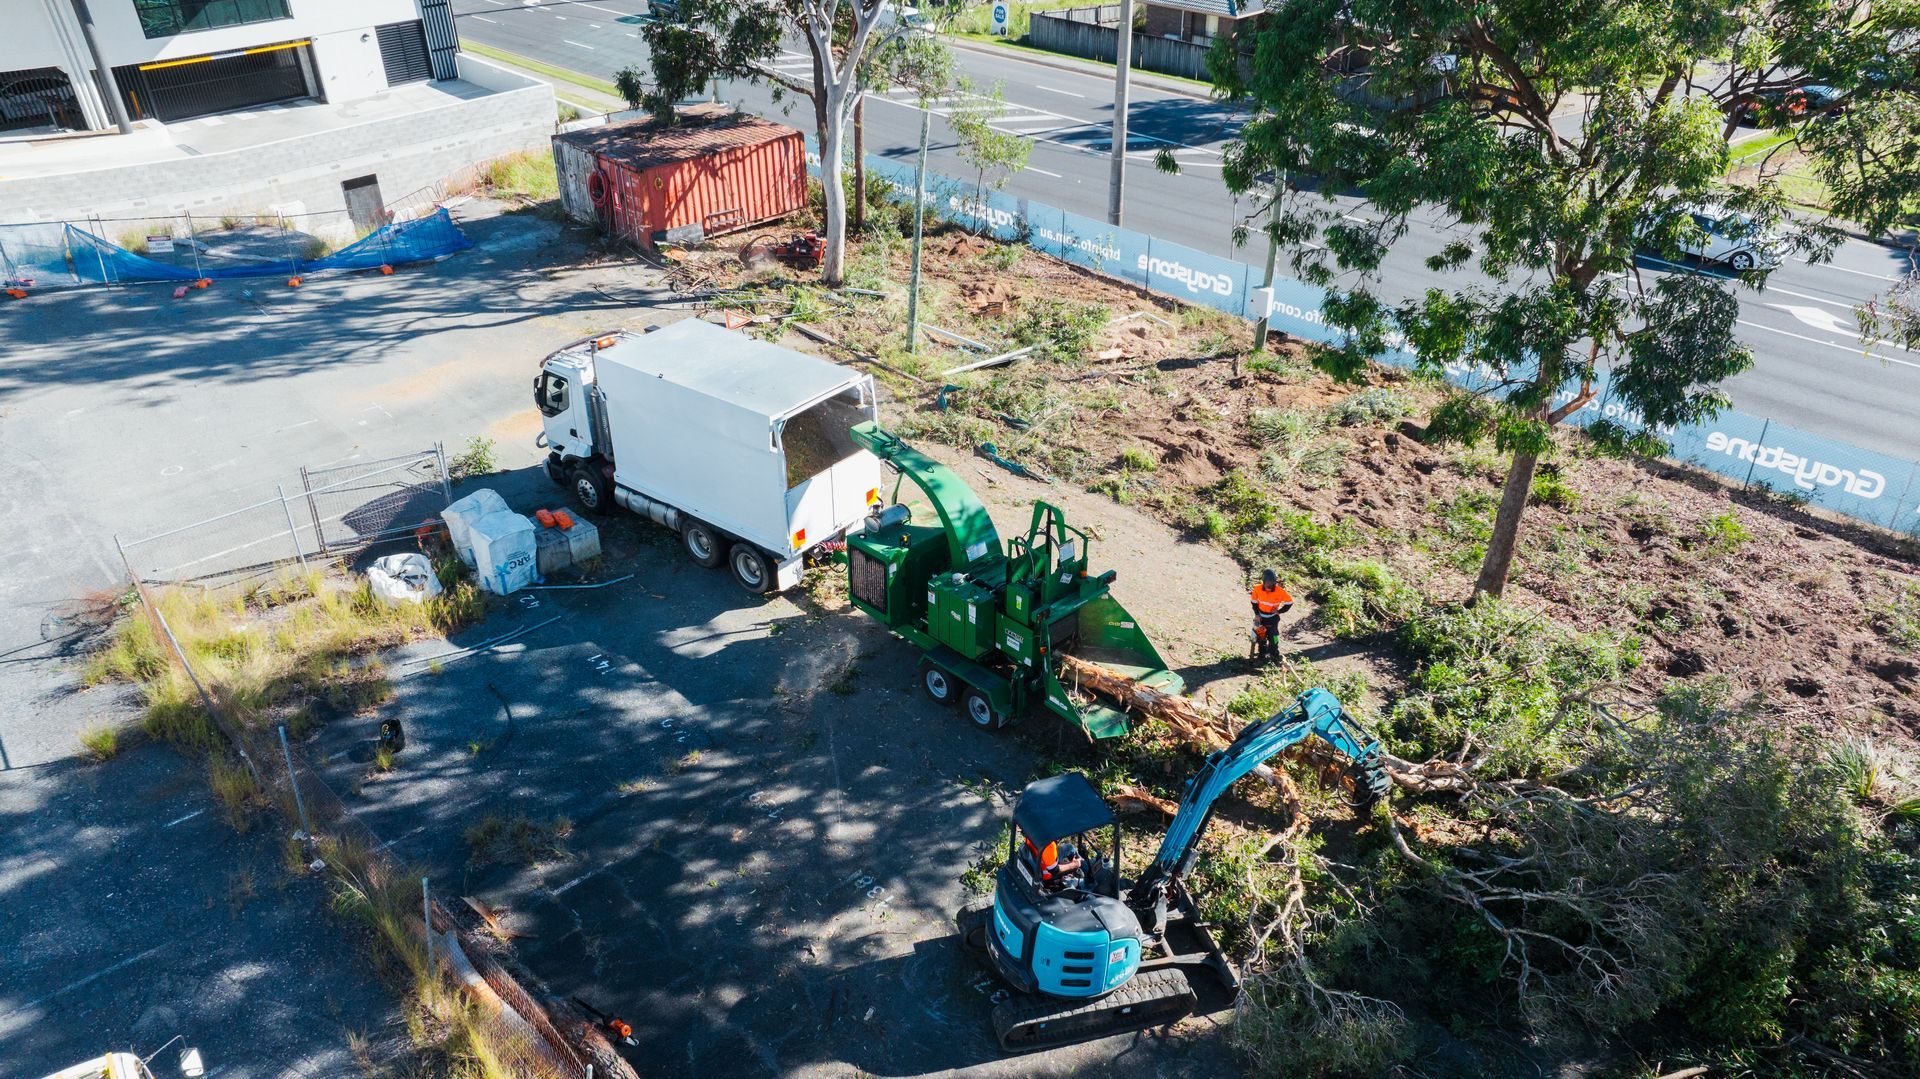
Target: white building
x: 174, y: 60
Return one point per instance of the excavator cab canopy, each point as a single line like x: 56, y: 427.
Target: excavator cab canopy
x: 1060, y: 806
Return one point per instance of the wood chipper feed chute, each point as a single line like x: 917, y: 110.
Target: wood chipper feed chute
x: 1107, y: 635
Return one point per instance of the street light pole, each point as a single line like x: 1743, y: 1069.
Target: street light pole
x: 107, y: 88
x: 1122, y: 80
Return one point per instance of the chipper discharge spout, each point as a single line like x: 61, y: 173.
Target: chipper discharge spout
x: 993, y: 620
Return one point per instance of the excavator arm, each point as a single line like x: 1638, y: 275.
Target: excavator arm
x: 1317, y: 714
x: 971, y: 537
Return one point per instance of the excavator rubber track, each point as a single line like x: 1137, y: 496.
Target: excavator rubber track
x: 1028, y: 1024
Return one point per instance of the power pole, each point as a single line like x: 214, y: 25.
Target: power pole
x: 1122, y: 79
x: 919, y: 215
x: 107, y: 87
x: 1273, y: 259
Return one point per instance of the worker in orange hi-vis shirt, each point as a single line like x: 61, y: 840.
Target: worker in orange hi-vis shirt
x: 1270, y: 601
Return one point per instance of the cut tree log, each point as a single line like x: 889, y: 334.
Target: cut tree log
x: 1207, y: 733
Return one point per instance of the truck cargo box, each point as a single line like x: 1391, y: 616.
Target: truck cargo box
x: 745, y: 435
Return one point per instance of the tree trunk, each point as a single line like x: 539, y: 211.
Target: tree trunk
x: 833, y: 266
x: 1506, y: 527
x: 860, y: 164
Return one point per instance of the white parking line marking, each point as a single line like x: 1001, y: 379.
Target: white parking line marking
x: 183, y: 820
x: 577, y: 45
x: 89, y: 979
x: 483, y: 18
x: 584, y: 876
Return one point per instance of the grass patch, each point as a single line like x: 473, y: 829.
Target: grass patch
x: 101, y: 743
x: 529, y: 174
x: 517, y: 840
x: 234, y: 788
x: 268, y: 654
x: 1898, y: 619
x: 577, y: 78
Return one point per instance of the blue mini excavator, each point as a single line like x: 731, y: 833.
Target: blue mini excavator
x: 1088, y: 954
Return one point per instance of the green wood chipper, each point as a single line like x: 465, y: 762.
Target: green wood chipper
x: 993, y: 619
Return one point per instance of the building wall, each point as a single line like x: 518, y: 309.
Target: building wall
x: 123, y: 43
x: 302, y: 175
x: 45, y: 33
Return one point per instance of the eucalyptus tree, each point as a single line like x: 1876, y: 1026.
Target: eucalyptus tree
x: 854, y: 45
x: 1547, y: 142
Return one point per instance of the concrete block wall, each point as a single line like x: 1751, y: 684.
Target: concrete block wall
x: 301, y: 175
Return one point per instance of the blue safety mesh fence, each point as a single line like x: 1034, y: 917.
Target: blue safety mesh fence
x: 63, y: 255
x: 1754, y: 451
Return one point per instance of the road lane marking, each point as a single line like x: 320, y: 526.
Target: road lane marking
x: 1043, y: 172
x: 1804, y: 296
x: 1054, y: 90
x: 1843, y: 269
x: 183, y: 820
x: 1854, y: 349
x: 577, y: 45
x: 483, y: 18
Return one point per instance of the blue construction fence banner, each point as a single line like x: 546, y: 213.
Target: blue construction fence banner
x: 57, y: 255
x: 1863, y: 484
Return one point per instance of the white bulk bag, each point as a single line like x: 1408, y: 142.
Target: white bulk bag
x: 461, y: 515
x: 403, y: 578
x: 504, y: 552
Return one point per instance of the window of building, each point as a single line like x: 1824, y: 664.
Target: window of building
x: 165, y: 18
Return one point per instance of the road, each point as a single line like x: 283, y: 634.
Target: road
x: 1811, y: 370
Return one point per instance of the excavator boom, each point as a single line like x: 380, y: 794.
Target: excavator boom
x: 1317, y: 714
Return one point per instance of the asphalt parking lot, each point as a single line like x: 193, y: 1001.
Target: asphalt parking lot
x: 768, y: 823
x: 124, y: 913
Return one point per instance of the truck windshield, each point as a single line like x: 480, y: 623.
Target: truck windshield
x: 819, y: 438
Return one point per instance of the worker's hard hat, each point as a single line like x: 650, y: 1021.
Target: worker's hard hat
x: 1269, y: 578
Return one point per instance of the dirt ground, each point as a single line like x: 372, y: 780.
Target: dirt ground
x: 1715, y: 580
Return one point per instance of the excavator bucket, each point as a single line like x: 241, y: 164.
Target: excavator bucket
x: 1106, y: 634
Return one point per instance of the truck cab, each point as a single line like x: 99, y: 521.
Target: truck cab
x: 561, y: 392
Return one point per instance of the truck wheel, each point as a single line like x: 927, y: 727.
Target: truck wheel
x: 751, y: 570
x: 939, y: 685
x: 703, y: 544
x: 590, y: 490
x: 980, y: 711
x: 557, y: 471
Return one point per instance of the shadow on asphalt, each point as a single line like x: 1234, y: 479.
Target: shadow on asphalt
x: 767, y: 826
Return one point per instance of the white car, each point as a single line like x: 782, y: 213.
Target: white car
x: 892, y: 15
x: 1730, y: 238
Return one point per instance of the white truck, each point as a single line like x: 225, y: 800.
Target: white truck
x: 740, y: 446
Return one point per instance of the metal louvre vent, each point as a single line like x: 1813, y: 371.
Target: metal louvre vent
x: 403, y: 52
x: 869, y: 579
x: 443, y: 38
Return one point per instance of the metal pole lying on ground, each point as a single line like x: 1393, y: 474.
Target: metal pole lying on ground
x: 293, y: 781
x: 919, y: 216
